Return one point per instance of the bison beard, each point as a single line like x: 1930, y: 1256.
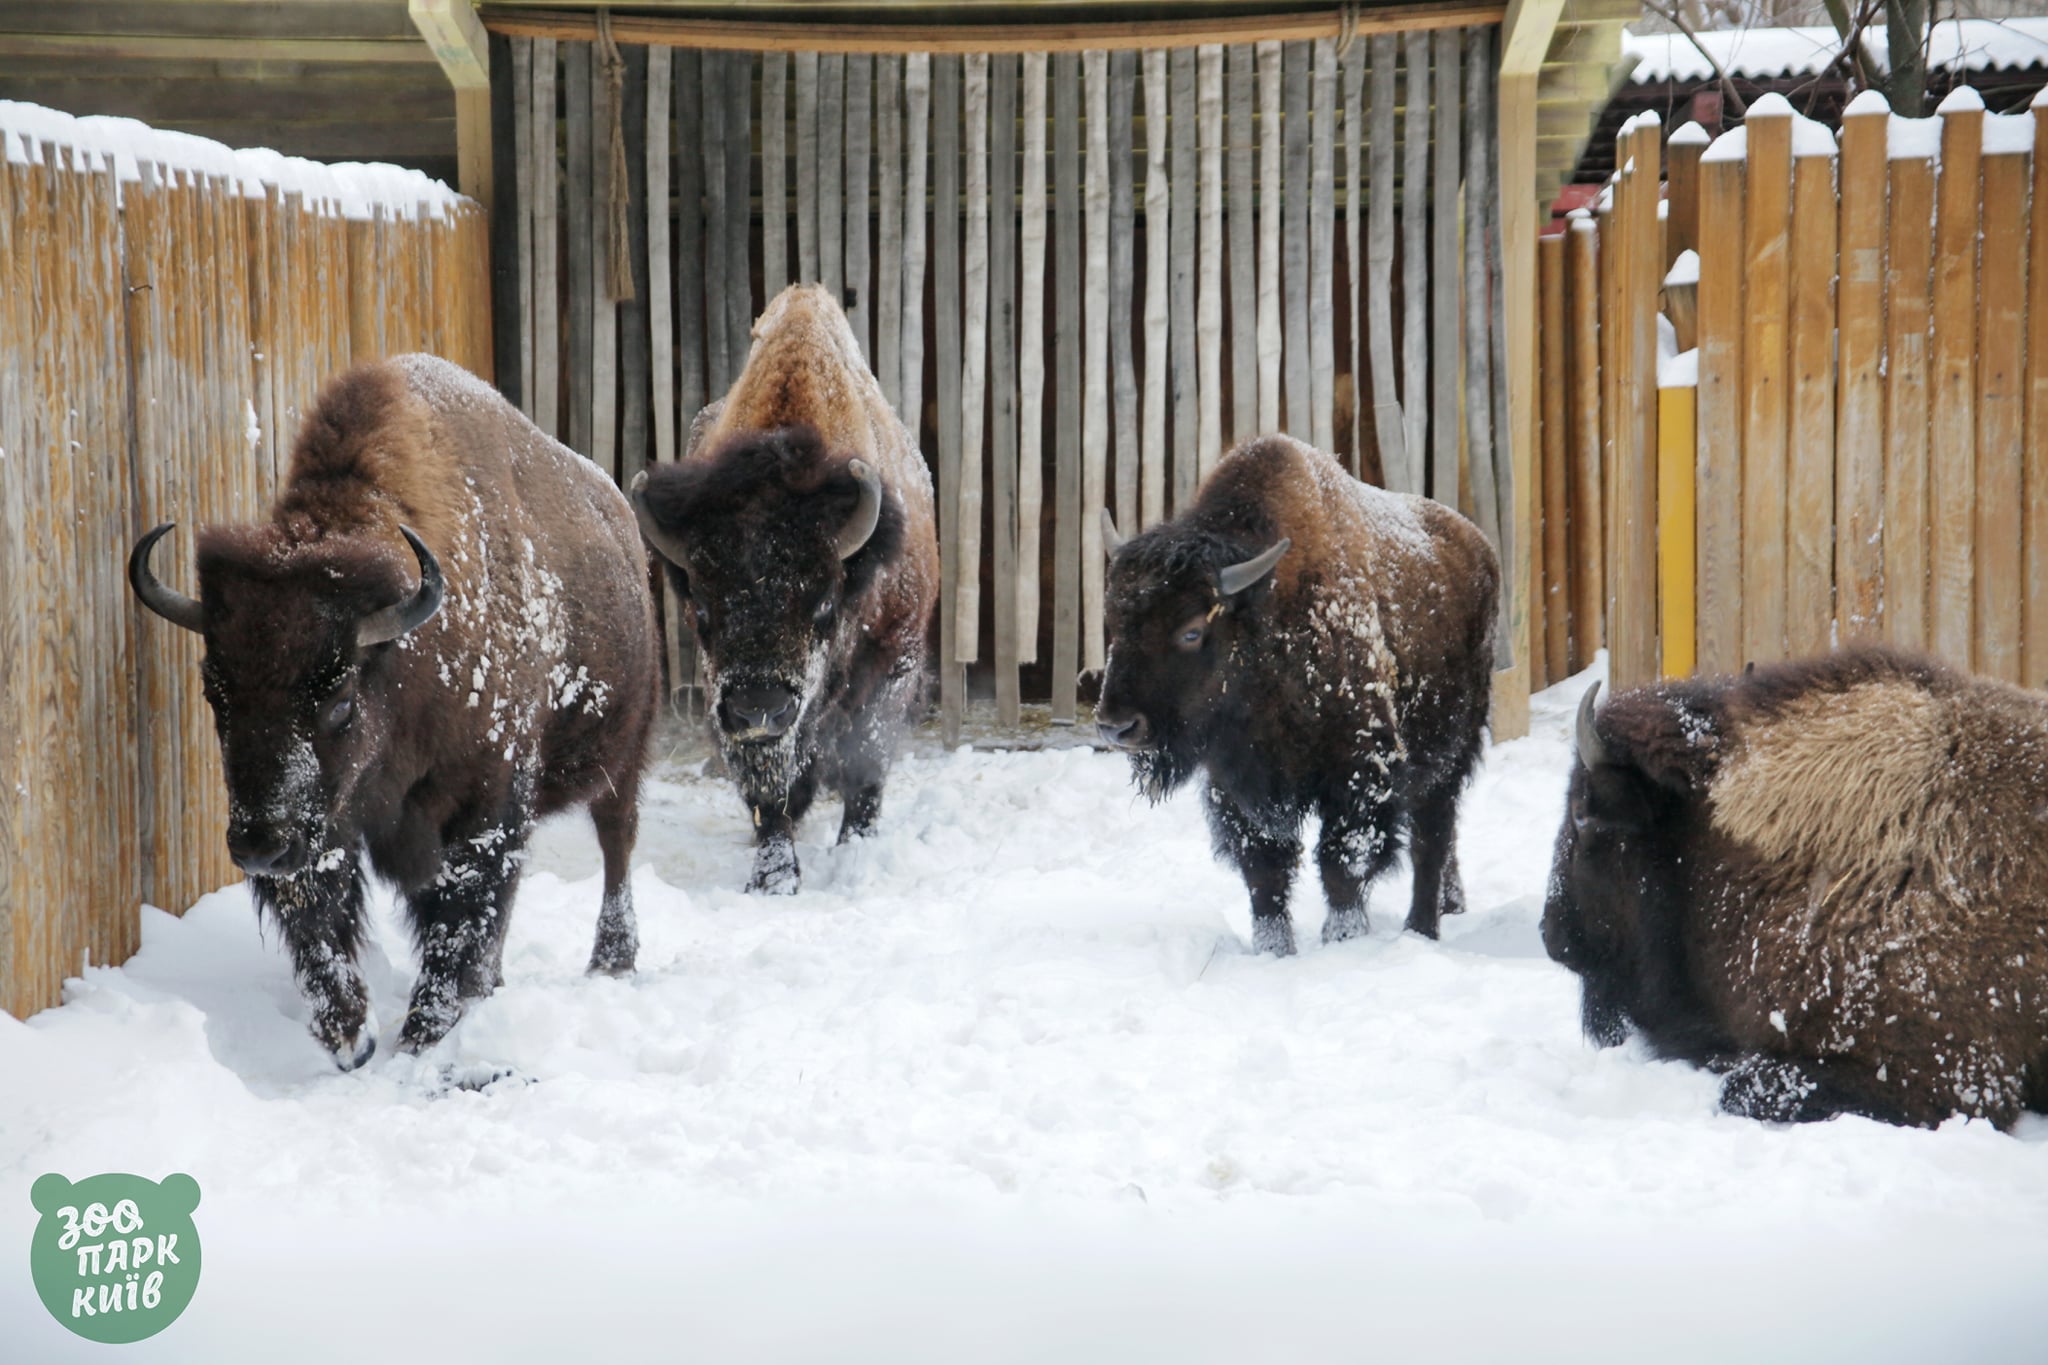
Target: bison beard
x: 1824, y: 881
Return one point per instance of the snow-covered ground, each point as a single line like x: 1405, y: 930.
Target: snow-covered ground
x: 1001, y: 1084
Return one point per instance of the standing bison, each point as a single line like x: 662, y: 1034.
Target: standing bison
x: 798, y: 529
x: 1828, y: 880
x: 1319, y: 646
x: 443, y: 632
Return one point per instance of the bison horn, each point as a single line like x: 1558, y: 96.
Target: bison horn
x: 1235, y: 578
x: 402, y: 618
x: 666, y: 544
x: 1592, y: 750
x: 173, y: 606
x: 866, y: 513
x: 1112, y: 539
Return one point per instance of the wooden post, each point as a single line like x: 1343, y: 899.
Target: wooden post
x: 660, y: 295
x: 604, y: 323
x: 1152, y: 491
x: 739, y: 207
x: 1183, y: 199
x: 1859, y: 406
x: 693, y: 382
x: 1676, y: 458
x: 1209, y: 295
x: 1095, y: 357
x: 1477, y: 335
x: 1952, y: 416
x: 966, y: 490
x: 1031, y: 363
x: 775, y: 177
x: 807, y: 271
x: 1242, y: 96
x: 1556, y: 597
x: 1351, y: 99
x: 917, y: 92
x: 1810, y: 453
x: 1271, y: 70
x: 1320, y: 222
x: 1765, y: 360
x: 1002, y: 370
x: 889, y: 212
x: 522, y: 211
x: 2034, y: 478
x: 1066, y: 189
x: 832, y: 172
x: 860, y: 76
x: 1123, y: 76
x: 1720, y: 410
x: 1444, y: 331
x: 1909, y: 259
x: 576, y: 106
x: 1387, y: 425
x: 1297, y: 388
x: 945, y: 117
x: 2001, y: 402
x: 1589, y: 592
x: 635, y: 344
x: 1682, y: 191
x: 1415, y: 293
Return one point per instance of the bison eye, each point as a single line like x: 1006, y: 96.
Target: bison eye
x: 702, y: 614
x: 339, y: 713
x: 1191, y: 636
x: 822, y: 617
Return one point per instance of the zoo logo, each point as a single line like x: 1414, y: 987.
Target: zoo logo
x: 115, y: 1258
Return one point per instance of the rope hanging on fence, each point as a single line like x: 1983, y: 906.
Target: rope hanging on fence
x: 1347, y: 27
x: 618, y: 208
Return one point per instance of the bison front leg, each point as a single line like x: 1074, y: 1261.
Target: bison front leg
x: 320, y: 913
x: 1433, y: 827
x: 618, y: 933
x: 459, y: 920
x: 776, y: 872
x: 1267, y: 860
x: 1354, y: 849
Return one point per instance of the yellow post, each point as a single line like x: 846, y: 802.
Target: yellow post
x: 1675, y: 586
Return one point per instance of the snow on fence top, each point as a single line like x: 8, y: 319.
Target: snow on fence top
x: 1767, y: 53
x: 352, y: 189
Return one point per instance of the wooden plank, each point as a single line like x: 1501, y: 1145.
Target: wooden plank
x: 1241, y: 95
x: 1555, y: 606
x: 1297, y: 388
x: 1508, y: 219
x: 1765, y: 360
x: 917, y: 92
x: 1477, y: 333
x: 1444, y: 331
x: 520, y: 218
x: 1678, y: 603
x: 1859, y: 406
x: 660, y: 292
x: 721, y: 366
x: 1183, y: 204
x: 1002, y: 375
x: 945, y: 134
x: 516, y: 16
x: 1810, y: 454
x: 1123, y: 78
x: 739, y: 208
x: 1272, y: 71
x: 604, y: 311
x: 775, y: 175
x: 1158, y: 252
x: 2034, y: 478
x: 973, y: 372
x: 1351, y: 100
x: 1415, y: 292
x: 2001, y: 418
x: 1952, y: 405
x: 1320, y: 223
x: 1682, y: 191
x: 1719, y: 415
x: 1588, y: 585
x: 860, y: 77
x: 636, y: 347
x: 889, y: 229
x: 807, y: 270
x: 832, y: 172
x: 1066, y: 349
x: 692, y: 343
x: 90, y: 49
x: 1634, y: 637
x: 1095, y: 356
x: 547, y: 315
x: 1388, y: 431
x: 1031, y: 361
x: 1909, y: 263
x: 1209, y: 270
x: 577, y: 182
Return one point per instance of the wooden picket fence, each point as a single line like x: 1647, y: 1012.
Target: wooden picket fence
x: 1865, y: 454
x: 1080, y: 275
x: 159, y: 338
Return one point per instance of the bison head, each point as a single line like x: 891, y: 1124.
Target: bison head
x: 771, y: 543
x: 296, y: 640
x: 1627, y: 856
x: 1181, y: 603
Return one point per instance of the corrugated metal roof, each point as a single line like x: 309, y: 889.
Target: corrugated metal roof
x: 1770, y: 53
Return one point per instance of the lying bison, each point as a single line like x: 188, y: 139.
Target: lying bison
x: 798, y: 529
x: 442, y: 633
x: 1827, y: 879
x: 1318, y: 646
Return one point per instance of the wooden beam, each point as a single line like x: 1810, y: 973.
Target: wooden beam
x: 80, y: 47
x: 457, y: 41
x: 812, y: 36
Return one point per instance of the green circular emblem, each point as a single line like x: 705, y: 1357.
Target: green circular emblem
x: 115, y: 1257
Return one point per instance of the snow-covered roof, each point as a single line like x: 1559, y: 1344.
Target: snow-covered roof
x: 353, y: 189
x: 1769, y: 53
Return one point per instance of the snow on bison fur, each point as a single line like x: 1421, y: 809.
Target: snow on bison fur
x: 1826, y: 879
x: 798, y: 528
x: 1317, y: 645
x: 443, y: 632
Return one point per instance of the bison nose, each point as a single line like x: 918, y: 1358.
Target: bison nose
x: 759, y: 710
x: 1124, y: 734
x: 264, y: 852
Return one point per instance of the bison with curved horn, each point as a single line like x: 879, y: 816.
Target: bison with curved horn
x: 1826, y: 880
x: 798, y: 529
x: 1316, y: 646
x: 443, y: 632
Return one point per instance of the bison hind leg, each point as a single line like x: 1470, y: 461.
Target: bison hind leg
x: 1433, y: 831
x: 863, y: 808
x: 1796, y: 1090
x: 617, y: 945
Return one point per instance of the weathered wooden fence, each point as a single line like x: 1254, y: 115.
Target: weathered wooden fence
x: 1080, y: 275
x: 1849, y: 439
x: 161, y: 327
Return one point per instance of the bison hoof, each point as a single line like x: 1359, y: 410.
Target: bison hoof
x: 775, y: 871
x: 1346, y: 923
x: 603, y: 965
x: 1273, y: 934
x: 353, y: 1053
x: 1425, y: 927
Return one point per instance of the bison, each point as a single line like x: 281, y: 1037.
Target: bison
x: 443, y: 632
x: 1826, y: 880
x: 798, y: 529
x: 1316, y: 645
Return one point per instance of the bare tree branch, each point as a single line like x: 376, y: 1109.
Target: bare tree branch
x: 1727, y: 85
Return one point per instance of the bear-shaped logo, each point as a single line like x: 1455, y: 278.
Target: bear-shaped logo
x: 115, y: 1258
